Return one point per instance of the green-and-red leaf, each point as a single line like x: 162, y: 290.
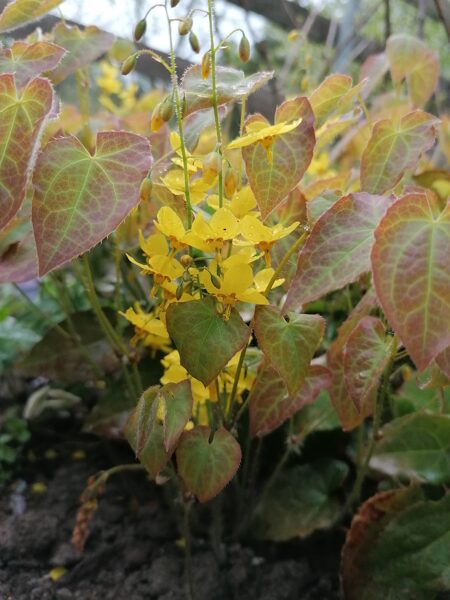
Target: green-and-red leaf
x: 395, y: 147
x: 205, y: 466
x: 410, y: 263
x: 328, y: 96
x: 177, y: 398
x: 205, y: 341
x: 443, y: 361
x: 81, y: 198
x: 18, y: 258
x: 22, y: 118
x: 27, y: 61
x: 338, y: 249
x: 271, y: 181
x: 288, y: 343
x: 21, y: 12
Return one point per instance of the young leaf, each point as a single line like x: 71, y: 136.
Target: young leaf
x: 373, y: 70
x: 21, y: 12
x: 411, y: 275
x: 205, y: 341
x: 301, y: 500
x: 83, y: 47
x: 366, y: 355
x: 23, y: 116
x: 326, y: 98
x: 395, y: 147
x: 29, y: 60
x: 232, y: 85
x: 177, y: 398
x: 410, y: 59
x: 337, y: 251
x: 270, y: 403
x: 288, y: 343
x: 81, y: 198
x: 398, y: 547
x: 272, y: 180
x: 205, y: 466
x: 415, y: 446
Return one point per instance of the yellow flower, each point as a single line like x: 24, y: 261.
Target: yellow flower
x: 263, y: 278
x: 264, y: 237
x: 156, y: 243
x: 149, y: 329
x: 320, y: 165
x: 163, y: 268
x: 210, y: 236
x: 174, y: 182
x: 109, y: 81
x: 170, y: 224
x: 242, y: 202
x: 193, y: 163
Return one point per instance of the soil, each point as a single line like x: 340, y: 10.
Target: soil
x: 133, y: 548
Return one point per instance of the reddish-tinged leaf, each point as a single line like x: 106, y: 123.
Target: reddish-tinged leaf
x: 81, y: 198
x: 373, y: 70
x: 205, y: 466
x: 366, y: 355
x: 321, y: 204
x: 29, y: 60
x: 327, y: 97
x: 395, y: 147
x: 289, y: 343
x: 22, y: 118
x: 443, y: 361
x: 83, y: 47
x: 21, y: 12
x: 338, y: 249
x: 177, y: 398
x: 270, y: 403
x: 231, y: 84
x: 327, y: 184
x: 410, y: 263
x: 410, y: 59
x: 205, y: 341
x: 18, y: 258
x: 271, y: 181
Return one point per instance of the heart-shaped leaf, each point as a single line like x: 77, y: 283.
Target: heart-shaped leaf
x: 393, y: 148
x: 23, y: 116
x: 272, y: 180
x: 326, y: 98
x: 338, y: 249
x: 410, y: 59
x: 29, y: 60
x: 231, y: 85
x: 411, y: 274
x: 366, y: 355
x: 207, y: 466
x: 83, y: 46
x: 20, y: 12
x: 288, y: 343
x: 177, y: 398
x: 205, y: 341
x: 416, y: 446
x: 81, y: 198
x: 270, y: 403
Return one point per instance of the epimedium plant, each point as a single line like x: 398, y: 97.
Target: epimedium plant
x: 291, y: 273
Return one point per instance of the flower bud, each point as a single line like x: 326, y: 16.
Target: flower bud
x: 195, y: 44
x: 229, y: 182
x: 167, y: 108
x: 212, y: 164
x: 244, y: 49
x: 185, y: 25
x: 186, y: 261
x: 215, y: 281
x: 157, y: 120
x: 206, y: 64
x: 145, y: 191
x: 174, y: 3
x: 140, y: 29
x: 128, y: 64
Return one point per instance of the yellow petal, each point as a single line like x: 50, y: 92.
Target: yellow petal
x: 138, y: 264
x: 253, y: 297
x: 252, y: 229
x: 258, y: 133
x: 279, y: 231
x: 169, y: 223
x: 237, y: 279
x: 263, y: 277
x: 165, y: 265
x: 154, y: 244
x: 243, y: 202
x: 224, y: 224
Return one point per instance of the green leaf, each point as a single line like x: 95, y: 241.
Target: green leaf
x: 289, y: 343
x: 337, y: 250
x: 177, y: 398
x: 318, y: 416
x: 60, y: 359
x: 29, y: 60
x: 410, y: 59
x: 366, y: 355
x: 395, y: 147
x: 272, y: 180
x: 81, y: 198
x: 205, y: 466
x: 18, y: 258
x: 398, y: 547
x: 412, y: 397
x: 231, y: 86
x: 411, y: 275
x: 83, y: 47
x: 23, y: 117
x: 205, y: 341
x: 270, y: 403
x: 301, y: 500
x: 373, y: 71
x: 145, y: 433
x: 332, y: 97
x: 416, y: 446
x: 21, y: 12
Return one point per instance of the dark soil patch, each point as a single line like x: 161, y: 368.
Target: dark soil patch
x: 132, y: 551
